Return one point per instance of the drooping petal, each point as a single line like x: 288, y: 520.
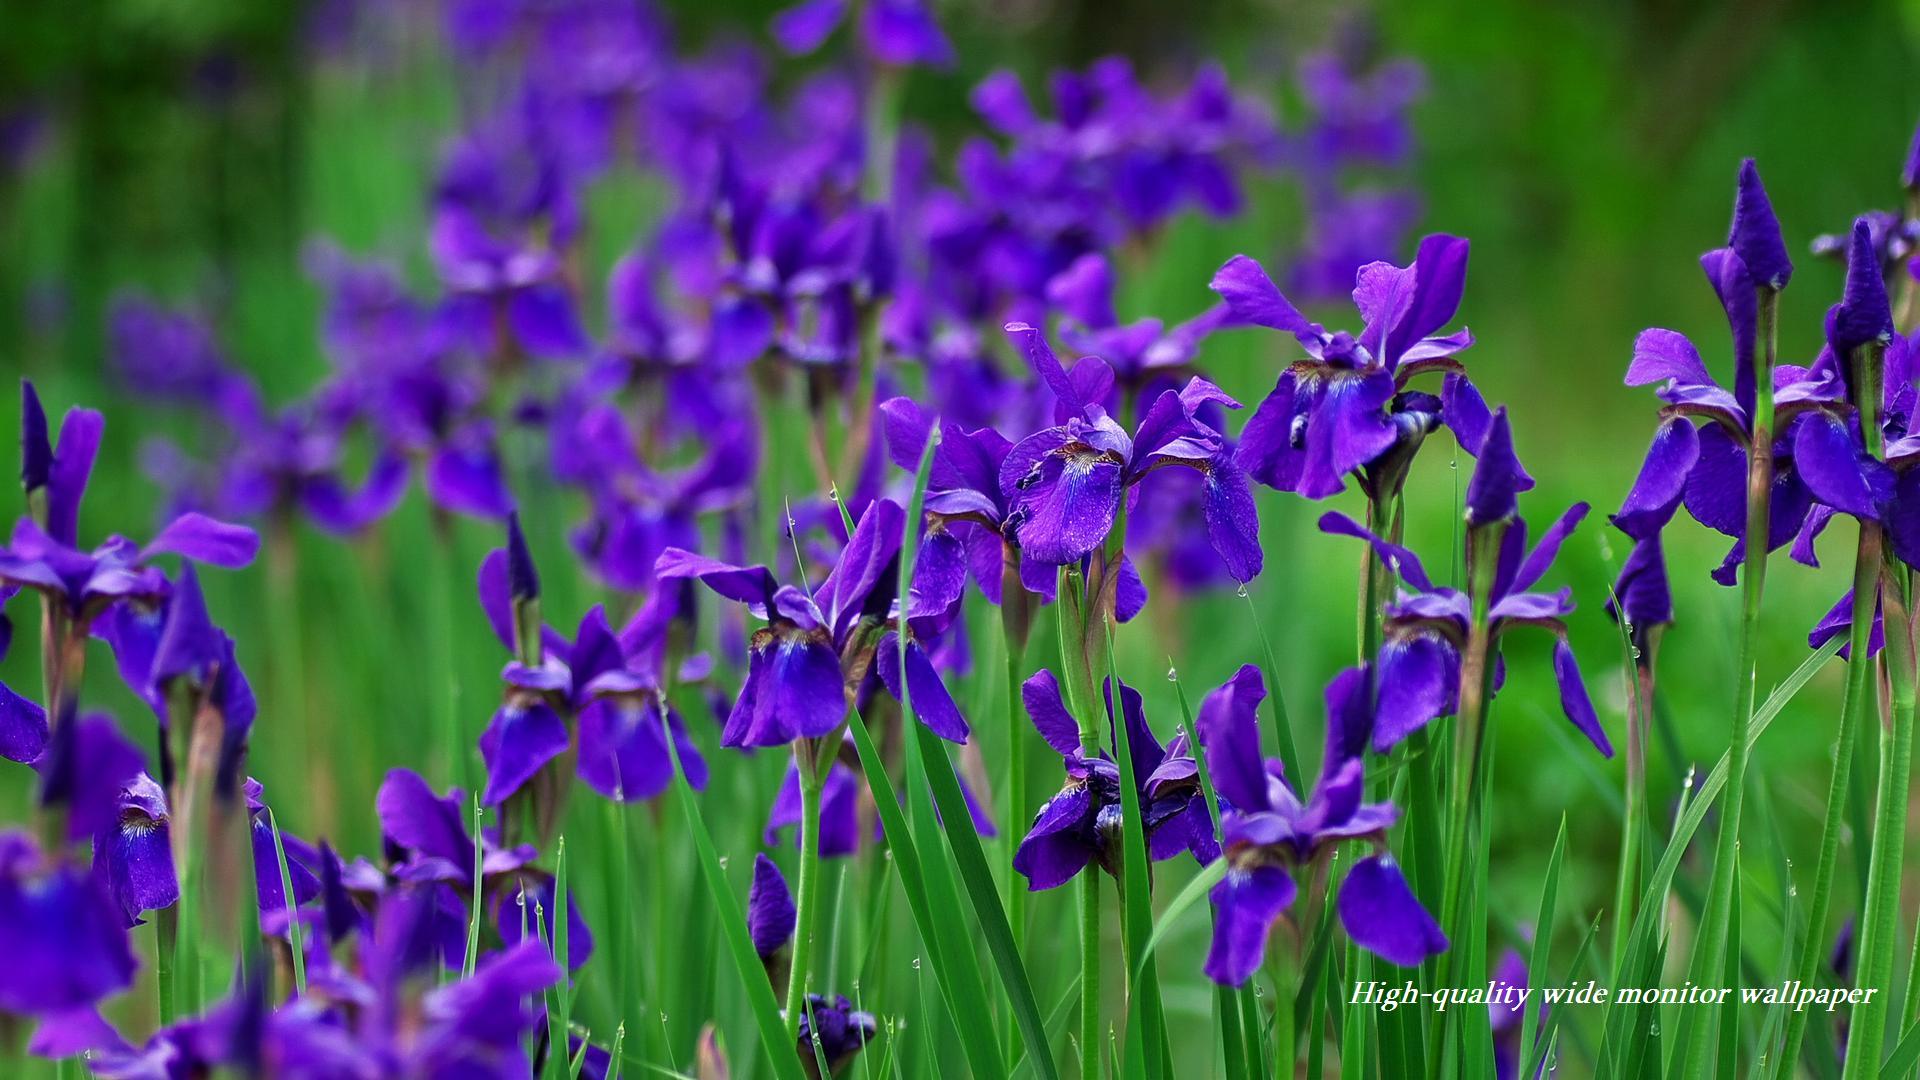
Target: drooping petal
x: 1540, y: 559
x: 1401, y: 561
x: 1228, y: 726
x: 1498, y: 479
x: 1657, y: 491
x: 1069, y: 512
x: 23, y: 727
x: 1233, y: 526
x: 1716, y: 492
x: 1381, y: 913
x: 932, y: 705
x: 1832, y: 464
x: 623, y: 749
x: 412, y: 816
x: 1574, y: 700
x: 1419, y: 681
x: 793, y: 689
x: 1246, y: 904
x: 518, y: 741
x: 1060, y: 843
x: 1041, y: 695
x: 802, y: 28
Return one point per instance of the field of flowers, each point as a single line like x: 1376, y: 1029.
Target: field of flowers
x: 735, y: 543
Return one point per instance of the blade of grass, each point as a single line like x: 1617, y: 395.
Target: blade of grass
x: 780, y: 1054
x: 293, y: 912
x: 1145, y: 1008
x: 1543, y: 938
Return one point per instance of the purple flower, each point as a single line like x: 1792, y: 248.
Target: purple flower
x: 1081, y: 825
x: 817, y: 647
x: 1269, y: 834
x: 1328, y: 415
x: 902, y: 33
x: 1418, y: 670
x: 1755, y: 234
x: 836, y: 1028
x: 593, y: 687
x: 771, y: 915
x: 64, y: 936
x: 1065, y: 483
x: 134, y: 853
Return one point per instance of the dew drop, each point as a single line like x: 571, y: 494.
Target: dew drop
x: 1173, y: 674
x: 1241, y: 591
x: 723, y: 861
x: 916, y: 963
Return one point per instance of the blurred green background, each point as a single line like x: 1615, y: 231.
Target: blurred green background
x: 190, y: 149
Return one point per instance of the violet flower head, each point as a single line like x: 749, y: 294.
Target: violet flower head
x: 134, y: 853
x: 1493, y: 492
x: 1066, y: 482
x: 1418, y: 670
x: 1270, y: 835
x: 1755, y: 233
x: 835, y: 1028
x: 1864, y: 315
x: 64, y: 936
x: 1080, y: 826
x: 817, y: 647
x: 900, y: 33
x: 771, y: 915
x: 1328, y: 415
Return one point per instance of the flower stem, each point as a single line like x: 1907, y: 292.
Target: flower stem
x: 1090, y: 973
x: 1859, y: 701
x: 1640, y: 684
x: 166, y: 931
x: 1878, y: 924
x: 1712, y: 943
x: 807, y: 901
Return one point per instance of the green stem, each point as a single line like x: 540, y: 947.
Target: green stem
x: 1016, y: 805
x: 1709, y: 947
x: 1090, y: 973
x: 166, y: 930
x: 1879, y: 923
x: 1639, y: 678
x: 808, y: 899
x: 1861, y: 692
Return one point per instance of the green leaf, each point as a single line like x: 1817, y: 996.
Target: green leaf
x: 780, y: 1054
x: 1543, y: 939
x: 293, y: 913
x: 1145, y: 1008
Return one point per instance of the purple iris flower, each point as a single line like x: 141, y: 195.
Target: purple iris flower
x: 900, y: 33
x: 796, y: 685
x: 64, y: 934
x: 427, y: 835
x: 86, y: 583
x: 477, y: 1026
x: 1329, y: 415
x: 1819, y: 460
x: 1065, y: 483
x: 134, y: 853
x: 1081, y: 825
x: 1418, y: 670
x: 172, y: 356
x: 1270, y: 835
x: 838, y: 1029
x: 1141, y: 353
x: 294, y: 462
x: 584, y: 687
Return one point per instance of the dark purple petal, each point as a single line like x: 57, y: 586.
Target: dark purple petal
x: 1228, y: 727
x: 36, y: 449
x: 1060, y: 844
x: 1399, y: 560
x: 771, y: 916
x: 793, y: 689
x: 1419, y: 681
x: 1253, y: 297
x: 1041, y: 695
x: 1755, y: 235
x: 1381, y: 914
x: 867, y: 563
x: 201, y: 538
x: 932, y: 705
x: 1665, y: 354
x: 1662, y: 481
x: 1716, y: 493
x: 64, y: 938
x: 1071, y: 509
x: 902, y: 33
x: 1246, y: 904
x: 545, y: 323
x: 1464, y: 412
x: 1540, y: 559
x: 1130, y: 592
x: 623, y: 749
x: 1498, y: 479
x: 412, y: 816
x: 1832, y: 464
x: 1642, y: 589
x: 72, y: 464
x: 87, y: 766
x: 1440, y: 278
x: 23, y: 727
x: 1573, y: 697
x: 743, y: 584
x: 1233, y: 526
x: 1863, y: 314
x: 1084, y: 290
x: 519, y: 740
x: 803, y: 27
x: 189, y: 644
x: 466, y: 478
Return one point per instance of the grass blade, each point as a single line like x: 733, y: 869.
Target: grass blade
x: 1543, y: 939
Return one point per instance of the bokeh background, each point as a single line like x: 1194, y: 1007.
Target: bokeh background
x: 193, y: 149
